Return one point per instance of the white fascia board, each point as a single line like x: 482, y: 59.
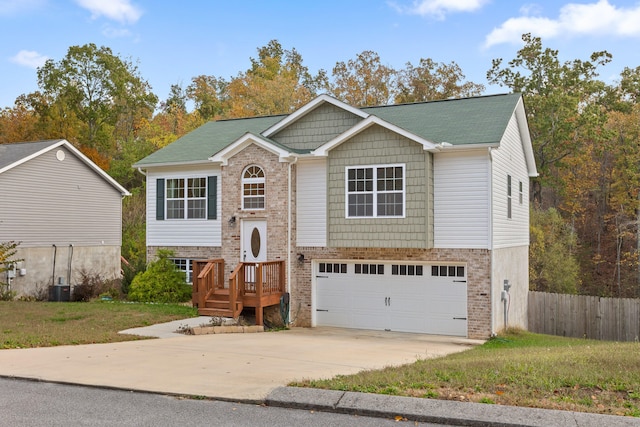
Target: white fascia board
x: 365, y: 124
x: 222, y: 156
x: 307, y: 108
x: 521, y: 118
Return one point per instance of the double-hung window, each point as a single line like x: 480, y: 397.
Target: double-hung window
x: 186, y: 198
x: 375, y: 191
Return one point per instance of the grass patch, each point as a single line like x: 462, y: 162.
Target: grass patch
x: 519, y: 369
x: 46, y: 324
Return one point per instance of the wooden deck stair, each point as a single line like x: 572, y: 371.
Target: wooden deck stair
x: 255, y: 285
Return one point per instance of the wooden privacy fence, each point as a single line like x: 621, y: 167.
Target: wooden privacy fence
x: 582, y: 316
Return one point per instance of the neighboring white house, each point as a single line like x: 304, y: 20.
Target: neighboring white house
x: 65, y: 212
x: 407, y: 217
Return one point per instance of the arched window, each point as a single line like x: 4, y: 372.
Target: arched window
x: 253, y: 188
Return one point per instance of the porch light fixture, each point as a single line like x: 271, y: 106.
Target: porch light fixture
x: 300, y: 258
x: 232, y: 221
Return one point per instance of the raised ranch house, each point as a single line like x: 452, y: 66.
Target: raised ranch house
x: 64, y: 210
x: 405, y: 217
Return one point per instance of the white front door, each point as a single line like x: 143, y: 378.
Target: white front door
x: 254, y: 241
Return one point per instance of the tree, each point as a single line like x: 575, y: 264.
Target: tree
x: 276, y: 83
x: 430, y: 81
x: 208, y: 95
x: 105, y: 93
x: 363, y: 81
x: 561, y: 101
x: 18, y: 124
x: 552, y: 263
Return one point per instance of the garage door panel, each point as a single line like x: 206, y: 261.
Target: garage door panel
x: 403, y: 298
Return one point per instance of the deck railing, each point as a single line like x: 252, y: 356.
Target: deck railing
x: 208, y: 275
x: 263, y: 278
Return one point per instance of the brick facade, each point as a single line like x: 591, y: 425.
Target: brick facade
x: 275, y: 214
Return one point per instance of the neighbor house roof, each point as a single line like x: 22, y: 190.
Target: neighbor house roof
x: 479, y: 120
x: 15, y: 154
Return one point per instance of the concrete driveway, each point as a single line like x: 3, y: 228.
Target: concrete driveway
x: 226, y: 366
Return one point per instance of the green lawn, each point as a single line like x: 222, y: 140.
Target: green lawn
x: 45, y: 324
x: 519, y: 369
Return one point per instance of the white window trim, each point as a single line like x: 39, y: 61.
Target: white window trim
x: 262, y: 181
x: 375, y: 191
x: 185, y: 198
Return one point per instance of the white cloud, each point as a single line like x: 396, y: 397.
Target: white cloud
x: 439, y: 8
x: 29, y: 58
x: 118, y: 10
x: 600, y: 19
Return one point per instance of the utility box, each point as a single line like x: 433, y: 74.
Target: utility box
x: 60, y: 292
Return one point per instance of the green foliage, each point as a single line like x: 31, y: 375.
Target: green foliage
x: 161, y: 282
x: 561, y: 100
x: 101, y: 90
x: 8, y: 251
x: 552, y: 263
x: 130, y: 269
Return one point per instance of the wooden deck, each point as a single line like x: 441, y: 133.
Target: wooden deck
x: 255, y: 285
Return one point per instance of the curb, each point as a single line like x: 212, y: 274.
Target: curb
x: 436, y: 411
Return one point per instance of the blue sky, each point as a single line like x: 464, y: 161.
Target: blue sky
x: 173, y: 41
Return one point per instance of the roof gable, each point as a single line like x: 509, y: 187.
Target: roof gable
x: 13, y: 155
x: 306, y: 109
x: 366, y: 124
x: 245, y: 140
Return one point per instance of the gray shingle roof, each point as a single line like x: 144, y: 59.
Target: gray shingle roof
x: 477, y: 120
x: 207, y: 140
x: 11, y: 153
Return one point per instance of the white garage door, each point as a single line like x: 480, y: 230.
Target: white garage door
x: 421, y: 298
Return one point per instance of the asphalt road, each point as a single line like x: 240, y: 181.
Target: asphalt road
x: 35, y: 404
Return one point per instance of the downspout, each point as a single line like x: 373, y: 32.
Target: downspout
x: 491, y: 285
x: 53, y: 274
x: 289, y: 216
x: 69, y: 265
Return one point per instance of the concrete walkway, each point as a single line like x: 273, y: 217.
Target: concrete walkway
x: 255, y: 368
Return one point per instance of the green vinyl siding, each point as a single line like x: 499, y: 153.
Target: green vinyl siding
x: 379, y: 146
x: 317, y: 127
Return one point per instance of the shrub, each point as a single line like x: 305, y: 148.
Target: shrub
x: 162, y: 282
x: 129, y: 271
x: 93, y: 285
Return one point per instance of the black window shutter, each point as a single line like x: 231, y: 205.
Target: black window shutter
x: 160, y: 198
x: 212, y: 197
